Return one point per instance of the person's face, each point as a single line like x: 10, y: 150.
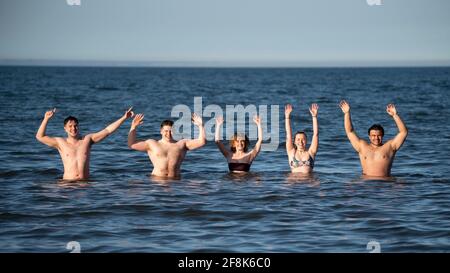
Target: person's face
x: 166, y: 132
x: 239, y: 144
x: 71, y: 128
x: 376, y: 137
x: 300, y: 141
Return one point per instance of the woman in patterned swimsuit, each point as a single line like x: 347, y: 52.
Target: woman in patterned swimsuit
x: 301, y: 160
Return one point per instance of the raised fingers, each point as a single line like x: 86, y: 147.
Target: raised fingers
x: 344, y: 106
x: 138, y: 118
x: 314, y: 109
x: 219, y: 119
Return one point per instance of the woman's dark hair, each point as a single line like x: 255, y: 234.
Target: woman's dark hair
x: 296, y: 133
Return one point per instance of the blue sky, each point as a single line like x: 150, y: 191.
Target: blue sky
x: 226, y: 32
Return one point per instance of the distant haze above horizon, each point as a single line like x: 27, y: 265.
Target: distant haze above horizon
x: 296, y: 33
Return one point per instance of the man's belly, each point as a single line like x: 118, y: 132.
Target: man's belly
x: 376, y: 167
x: 75, y: 170
x: 169, y: 171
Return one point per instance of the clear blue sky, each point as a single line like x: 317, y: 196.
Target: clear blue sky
x: 277, y: 32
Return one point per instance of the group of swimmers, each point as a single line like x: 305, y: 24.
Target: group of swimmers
x: 167, y: 154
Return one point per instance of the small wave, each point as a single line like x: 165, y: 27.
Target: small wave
x: 7, y: 174
x: 105, y: 88
x: 14, y: 216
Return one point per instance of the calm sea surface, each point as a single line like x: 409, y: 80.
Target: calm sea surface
x: 122, y: 209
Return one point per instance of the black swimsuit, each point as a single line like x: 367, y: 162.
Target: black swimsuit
x: 241, y: 167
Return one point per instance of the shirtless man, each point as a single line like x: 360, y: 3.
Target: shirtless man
x: 376, y: 157
x: 166, y: 154
x: 75, y: 149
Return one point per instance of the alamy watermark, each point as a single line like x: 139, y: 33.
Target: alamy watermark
x: 74, y: 246
x: 73, y: 2
x: 235, y: 117
x: 374, y: 2
x: 374, y: 246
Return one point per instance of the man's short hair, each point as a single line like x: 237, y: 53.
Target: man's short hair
x: 69, y: 118
x: 166, y: 122
x: 376, y: 127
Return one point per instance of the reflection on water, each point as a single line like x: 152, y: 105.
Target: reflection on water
x: 243, y: 177
x: 163, y: 181
x: 309, y: 178
x: 73, y: 183
x: 369, y: 178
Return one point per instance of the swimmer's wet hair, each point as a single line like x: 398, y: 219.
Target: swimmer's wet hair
x: 376, y: 127
x: 167, y: 122
x: 297, y: 133
x: 69, y: 118
x: 233, y: 140
x: 300, y: 132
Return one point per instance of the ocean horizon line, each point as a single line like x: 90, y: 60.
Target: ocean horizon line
x: 218, y: 64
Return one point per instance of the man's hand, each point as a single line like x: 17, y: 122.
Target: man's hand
x: 314, y: 109
x: 287, y: 110
x: 49, y: 114
x: 344, y: 106
x: 129, y: 113
x: 197, y: 120
x: 390, y: 109
x: 138, y: 120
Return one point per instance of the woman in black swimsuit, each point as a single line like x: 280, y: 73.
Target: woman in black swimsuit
x: 300, y: 159
x: 238, y: 157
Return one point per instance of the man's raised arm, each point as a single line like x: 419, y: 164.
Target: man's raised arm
x: 40, y: 135
x: 201, y: 140
x: 99, y: 136
x: 354, y: 139
x: 133, y: 143
x: 398, y: 140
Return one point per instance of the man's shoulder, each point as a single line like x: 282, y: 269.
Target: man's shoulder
x: 151, y: 141
x: 87, y: 136
x: 182, y: 143
x: 364, y: 146
x: 363, y: 143
x: 60, y: 139
x: 388, y: 144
